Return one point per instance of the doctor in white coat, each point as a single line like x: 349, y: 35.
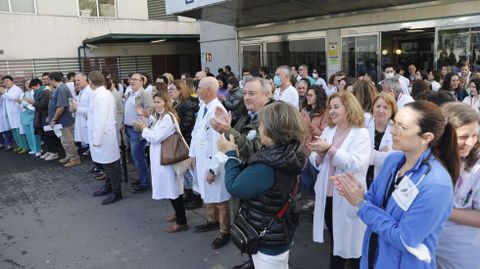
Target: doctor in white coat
x: 102, y: 136
x: 209, y: 171
x: 343, y: 147
x: 384, y: 109
x: 166, y: 184
x: 81, y: 108
x: 13, y: 109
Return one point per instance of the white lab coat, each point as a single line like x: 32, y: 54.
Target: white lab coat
x: 4, y: 124
x: 81, y: 127
x: 102, y: 134
x: 353, y: 157
x: 403, y: 99
x: 204, y: 148
x: 12, y: 107
x: 377, y: 158
x: 165, y: 183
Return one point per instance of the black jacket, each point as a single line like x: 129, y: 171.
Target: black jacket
x: 41, y: 111
x: 187, y: 110
x: 259, y: 211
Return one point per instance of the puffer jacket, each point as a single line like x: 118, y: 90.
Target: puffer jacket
x: 187, y: 110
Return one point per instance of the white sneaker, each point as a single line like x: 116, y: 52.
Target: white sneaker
x: 38, y: 154
x: 31, y: 152
x: 45, y: 155
x: 52, y: 156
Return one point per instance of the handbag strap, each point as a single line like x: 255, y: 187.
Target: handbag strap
x: 283, y: 210
x: 177, y: 127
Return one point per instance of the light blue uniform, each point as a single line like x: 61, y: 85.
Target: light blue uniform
x: 420, y: 224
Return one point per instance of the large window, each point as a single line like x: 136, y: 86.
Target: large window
x: 310, y: 52
x: 96, y: 8
x: 17, y: 6
x: 359, y: 55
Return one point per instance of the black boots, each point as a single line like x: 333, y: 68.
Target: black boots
x: 192, y: 200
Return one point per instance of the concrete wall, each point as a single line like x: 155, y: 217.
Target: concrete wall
x: 33, y: 36
x: 219, y: 40
x: 126, y: 9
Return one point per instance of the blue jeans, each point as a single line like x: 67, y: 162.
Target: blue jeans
x: 137, y: 148
x: 6, y: 138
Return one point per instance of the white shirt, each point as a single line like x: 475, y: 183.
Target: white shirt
x: 289, y: 95
x: 71, y: 88
x: 473, y: 104
x: 403, y: 99
x: 320, y: 81
x: 130, y: 109
x: 404, y: 82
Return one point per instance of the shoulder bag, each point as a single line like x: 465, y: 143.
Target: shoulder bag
x: 245, y: 237
x: 174, y: 148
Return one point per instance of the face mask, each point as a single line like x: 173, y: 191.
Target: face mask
x: 277, y: 81
x: 389, y: 75
x: 315, y: 75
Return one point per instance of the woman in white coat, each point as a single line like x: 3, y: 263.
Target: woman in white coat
x: 343, y: 147
x: 384, y: 109
x: 166, y: 184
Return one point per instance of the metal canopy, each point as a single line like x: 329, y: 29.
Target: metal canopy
x: 138, y: 38
x: 250, y: 12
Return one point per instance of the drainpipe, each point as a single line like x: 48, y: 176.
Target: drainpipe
x: 80, y: 56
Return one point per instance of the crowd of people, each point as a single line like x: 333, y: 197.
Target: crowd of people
x: 390, y: 169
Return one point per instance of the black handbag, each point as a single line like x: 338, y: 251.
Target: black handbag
x: 245, y: 237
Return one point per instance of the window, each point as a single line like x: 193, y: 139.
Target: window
x: 87, y: 8
x: 18, y: 6
x: 310, y: 52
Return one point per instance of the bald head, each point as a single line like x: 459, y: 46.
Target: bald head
x: 200, y: 75
x: 207, y: 89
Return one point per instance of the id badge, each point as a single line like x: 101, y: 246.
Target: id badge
x: 251, y: 134
x: 405, y: 193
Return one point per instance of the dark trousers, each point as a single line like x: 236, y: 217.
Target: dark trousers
x: 336, y: 262
x: 51, y: 142
x: 6, y: 138
x: 114, y: 176
x: 179, y: 210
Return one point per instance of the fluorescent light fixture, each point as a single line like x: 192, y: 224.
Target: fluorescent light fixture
x: 158, y: 41
x: 415, y: 31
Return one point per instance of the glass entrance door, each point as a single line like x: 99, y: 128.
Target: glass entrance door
x: 252, y: 58
x: 409, y: 46
x: 360, y: 55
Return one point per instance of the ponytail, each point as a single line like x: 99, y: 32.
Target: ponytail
x: 447, y: 151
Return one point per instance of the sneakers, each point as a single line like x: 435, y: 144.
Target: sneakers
x: 22, y: 151
x: 73, y: 163
x: 38, y: 154
x: 86, y: 153
x: 8, y: 148
x: 221, y: 240
x: 64, y: 160
x: 45, y: 155
x: 51, y: 156
x: 31, y: 152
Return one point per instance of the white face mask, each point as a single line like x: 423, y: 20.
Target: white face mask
x: 315, y: 75
x: 389, y: 75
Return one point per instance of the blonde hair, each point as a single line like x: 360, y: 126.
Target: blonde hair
x: 353, y: 109
x: 282, y: 123
x: 390, y: 102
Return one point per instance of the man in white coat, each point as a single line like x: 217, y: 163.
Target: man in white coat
x: 11, y: 95
x: 81, y: 108
x: 102, y: 136
x: 209, y: 171
x: 285, y: 91
x: 394, y: 87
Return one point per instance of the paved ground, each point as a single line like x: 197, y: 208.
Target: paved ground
x: 48, y: 219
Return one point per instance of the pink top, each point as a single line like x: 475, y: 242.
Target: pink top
x: 338, y: 139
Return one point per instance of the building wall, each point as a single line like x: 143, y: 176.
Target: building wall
x: 126, y: 9
x: 33, y: 36
x: 220, y: 41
